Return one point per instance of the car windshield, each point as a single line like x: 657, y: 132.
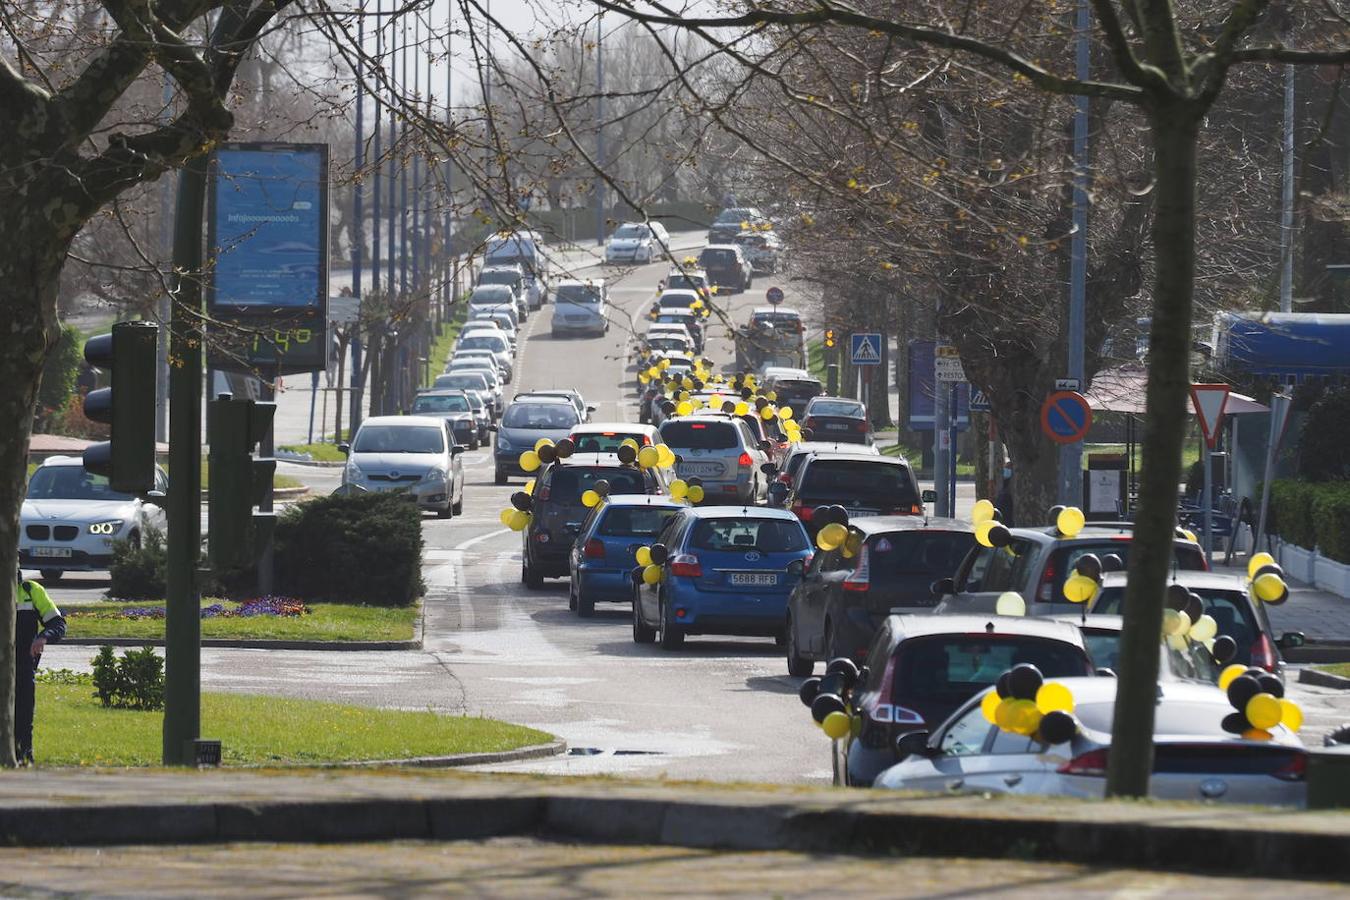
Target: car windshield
x: 606, y: 442
x: 499, y: 276
x: 634, y: 521
x: 577, y: 293
x: 631, y: 232
x: 863, y: 482
x: 541, y: 416
x: 910, y: 561
x: 568, y: 483
x: 479, y: 366
x: 461, y: 382
x: 477, y: 341
x: 399, y: 439
x: 667, y: 343
x: 797, y: 388
x: 1230, y: 610
x: 846, y: 408
x: 490, y: 293
x: 70, y: 483
x: 949, y: 668
x: 437, y: 404
x: 676, y: 319
x: 700, y: 435
x: 741, y: 534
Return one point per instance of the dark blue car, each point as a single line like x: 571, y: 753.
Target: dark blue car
x: 602, y: 557
x: 728, y: 570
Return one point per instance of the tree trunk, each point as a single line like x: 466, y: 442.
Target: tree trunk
x: 30, y: 271
x: 1175, y: 127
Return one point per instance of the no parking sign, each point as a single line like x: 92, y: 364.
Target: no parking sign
x: 1066, y: 417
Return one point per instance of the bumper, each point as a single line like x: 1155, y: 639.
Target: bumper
x: 606, y: 585
x: 715, y: 612
x: 78, y: 561
x: 627, y: 254
x: 550, y: 559
x: 590, y: 326
x: 429, y: 495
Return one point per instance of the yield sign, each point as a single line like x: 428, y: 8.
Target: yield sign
x: 1210, y: 402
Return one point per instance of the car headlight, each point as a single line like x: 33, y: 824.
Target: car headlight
x: 434, y: 475
x: 106, y: 527
x: 503, y: 443
x: 353, y: 472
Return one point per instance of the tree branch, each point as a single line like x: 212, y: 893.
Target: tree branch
x: 1121, y: 51
x: 1280, y: 53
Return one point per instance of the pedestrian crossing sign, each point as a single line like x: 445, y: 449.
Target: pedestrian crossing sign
x: 865, y: 349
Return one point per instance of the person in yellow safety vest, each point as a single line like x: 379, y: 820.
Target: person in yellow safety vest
x: 37, y: 623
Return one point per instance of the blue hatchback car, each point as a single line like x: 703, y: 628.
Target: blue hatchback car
x: 602, y: 556
x: 728, y: 570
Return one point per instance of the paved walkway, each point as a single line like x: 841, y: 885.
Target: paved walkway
x: 1320, y: 615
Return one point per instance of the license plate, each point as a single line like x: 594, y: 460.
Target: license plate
x: 835, y: 426
x: 51, y: 551
x: 861, y: 512
x: 702, y: 470
x: 756, y: 578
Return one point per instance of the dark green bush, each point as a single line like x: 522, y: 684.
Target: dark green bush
x: 138, y: 572
x: 364, y: 548
x: 1331, y: 520
x: 1323, y: 451
x: 136, y: 681
x: 59, y: 372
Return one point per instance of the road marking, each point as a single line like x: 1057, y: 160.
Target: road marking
x: 482, y: 537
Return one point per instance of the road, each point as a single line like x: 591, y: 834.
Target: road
x: 718, y: 709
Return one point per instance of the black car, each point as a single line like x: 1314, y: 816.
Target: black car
x: 842, y: 600
x: 836, y: 419
x: 558, y: 509
x: 727, y: 267
x: 863, y: 485
x: 732, y: 221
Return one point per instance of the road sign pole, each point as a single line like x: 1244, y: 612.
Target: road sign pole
x: 1279, y: 414
x: 1208, y: 504
x: 941, y: 460
x: 951, y: 443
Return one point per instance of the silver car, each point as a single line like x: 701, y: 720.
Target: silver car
x: 496, y: 344
x: 500, y: 295
x: 580, y: 308
x: 1194, y: 758
x: 466, y: 378
x: 480, y: 357
x: 413, y: 455
x: 719, y: 450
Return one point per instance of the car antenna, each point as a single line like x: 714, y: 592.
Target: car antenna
x: 988, y: 627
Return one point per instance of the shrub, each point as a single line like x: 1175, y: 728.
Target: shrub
x: 363, y: 548
x: 59, y: 372
x: 136, y: 681
x: 1331, y: 519
x: 1323, y: 452
x: 1291, y: 512
x: 138, y: 573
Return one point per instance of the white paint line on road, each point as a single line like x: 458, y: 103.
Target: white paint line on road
x: 482, y: 537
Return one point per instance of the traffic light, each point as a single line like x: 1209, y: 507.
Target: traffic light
x: 829, y: 337
x: 239, y: 481
x: 129, y: 354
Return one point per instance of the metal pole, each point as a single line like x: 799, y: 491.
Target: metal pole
x: 1205, y: 499
x: 393, y: 152
x: 599, y: 131
x: 267, y: 449
x: 1071, y: 455
x: 313, y: 399
x: 1287, y: 197
x: 403, y: 179
x: 941, y: 438
x: 416, y: 174
x: 164, y: 307
x: 1279, y: 413
x: 182, y: 620
x: 448, y: 247
x: 951, y: 443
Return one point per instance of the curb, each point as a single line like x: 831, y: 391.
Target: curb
x: 244, y: 644
x: 1318, y: 652
x: 313, y: 463
x: 533, y: 751
x: 1323, y: 679
x: 283, y: 493
x: 851, y: 825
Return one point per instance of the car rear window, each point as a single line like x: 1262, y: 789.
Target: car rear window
x: 676, y: 301
x: 568, y: 483
x: 685, y: 282
x: 913, y: 560
x: 453, y: 403
x: 1231, y: 612
x: 700, y: 435
x: 634, y: 521
x: 776, y: 319
x: 717, y: 257
x: 500, y: 276
x: 764, y: 535
x: 472, y: 382
x: 948, y: 668
x: 540, y: 415
x: 836, y: 408
x: 865, y: 482
x: 606, y: 442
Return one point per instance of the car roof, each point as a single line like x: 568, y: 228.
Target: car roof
x: 577, y: 282
x: 664, y: 501
x: 605, y: 460
x: 498, y: 267
x: 789, y: 372
x: 62, y: 461
x: 833, y: 447
x: 783, y: 310
x: 540, y: 398
x: 601, y: 427
x: 705, y: 415
x: 1214, y: 581
x: 910, y: 626
x: 860, y: 457
x: 742, y: 512
x: 721, y: 247
x: 441, y: 392
x: 870, y: 525
x: 424, y: 421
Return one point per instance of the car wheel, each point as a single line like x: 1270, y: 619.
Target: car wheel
x: 642, y: 633
x: 798, y: 666
x: 585, y: 605
x: 672, y: 638
x: 499, y: 477
x: 531, y: 579
x: 52, y: 576
x: 459, y: 505
x: 571, y: 595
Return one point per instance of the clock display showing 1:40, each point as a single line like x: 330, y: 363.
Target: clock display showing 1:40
x: 280, y: 340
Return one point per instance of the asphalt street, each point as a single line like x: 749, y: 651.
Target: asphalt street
x: 716, y: 709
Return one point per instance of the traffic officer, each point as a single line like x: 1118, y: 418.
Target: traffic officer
x: 37, y: 623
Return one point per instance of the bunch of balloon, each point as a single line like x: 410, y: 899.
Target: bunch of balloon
x: 1258, y: 697
x: 1267, y: 579
x: 828, y: 698
x: 1023, y: 702
x: 989, y: 531
x: 518, y: 516
x: 1086, y: 580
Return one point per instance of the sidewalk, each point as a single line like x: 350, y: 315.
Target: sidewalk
x: 1321, y: 616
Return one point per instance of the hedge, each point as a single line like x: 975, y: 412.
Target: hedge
x: 1312, y: 515
x: 364, y: 548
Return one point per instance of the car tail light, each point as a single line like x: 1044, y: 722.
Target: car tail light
x: 745, y: 460
x: 542, y: 493
x: 1092, y: 763
x: 1294, y: 770
x: 810, y: 422
x: 861, y: 426
x: 646, y: 440
x: 594, y: 549
x: 803, y: 512
x: 860, y: 579
x: 686, y: 565
x: 1263, y: 653
x: 1045, y: 591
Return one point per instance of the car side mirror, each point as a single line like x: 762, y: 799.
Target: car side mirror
x: 943, y: 587
x: 929, y: 496
x: 1104, y: 672
x: 1291, y: 639
x: 769, y: 469
x: 590, y: 409
x: 492, y: 427
x: 344, y: 448
x: 156, y: 498
x: 796, y: 567
x: 457, y: 449
x: 912, y: 743
x: 766, y: 445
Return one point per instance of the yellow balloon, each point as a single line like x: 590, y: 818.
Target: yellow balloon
x: 1204, y: 628
x: 688, y: 383
x: 742, y: 408
x: 1052, y: 696
x: 643, y: 556
x: 678, y: 488
x: 771, y: 396
x: 683, y: 395
x: 542, y: 442
x: 785, y: 413
x: 831, y: 536
x: 1257, y: 561
x: 648, y: 457
x: 835, y: 726
x: 695, y: 494
x: 1026, y: 717
x: 982, y: 532
x: 697, y: 404
x: 1269, y: 587
x: 1070, y: 521
x: 667, y: 456
x: 663, y: 364
x: 529, y: 486
x: 1257, y: 734
x: 1005, y: 713
x: 983, y: 512
x: 643, y: 378
x: 651, y: 574
x: 766, y: 413
x: 1264, y: 711
x: 654, y: 372
x: 529, y: 460
x: 715, y: 401
x: 1229, y: 673
x: 1291, y: 716
x: 589, y: 498
x: 1079, y: 588
x: 1010, y: 603
x: 519, y: 519
x: 684, y: 408
x: 989, y: 706
x: 1190, y: 536
x: 1175, y: 623
x: 506, y: 517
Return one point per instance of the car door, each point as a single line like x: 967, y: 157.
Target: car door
x: 958, y: 745
x: 648, y: 595
x: 828, y: 568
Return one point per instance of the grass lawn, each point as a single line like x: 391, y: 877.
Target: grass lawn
x: 281, y: 481
x: 325, y: 622
x: 74, y: 729
x: 318, y: 452
x: 441, y: 349
x: 1190, y: 453
x: 889, y: 448
x: 1341, y: 669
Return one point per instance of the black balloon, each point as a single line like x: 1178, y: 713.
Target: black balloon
x: 626, y: 453
x: 1242, y: 689
x: 1001, y: 687
x: 1195, y: 608
x: 1235, y: 723
x: 1223, y: 649
x: 522, y: 501
x: 1177, y: 597
x: 698, y: 384
x: 999, y: 535
x: 1054, y: 514
x: 1268, y: 569
x: 658, y: 552
x: 1089, y: 565
x: 761, y: 402
x: 1271, y: 684
x: 842, y: 665
x: 1057, y: 727
x: 820, y: 516
x: 746, y: 393
x: 602, y: 487
x: 807, y: 692
x: 997, y: 516
x: 824, y: 704
x: 1284, y: 595
x: 728, y: 406
x: 566, y: 448
x: 1112, y: 562
x: 838, y: 514
x: 547, y: 453
x: 808, y: 434
x: 694, y: 482
x: 1024, y: 681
